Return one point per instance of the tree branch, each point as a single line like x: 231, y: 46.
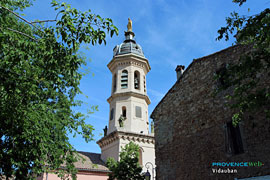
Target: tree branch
x: 19, y: 32
x: 21, y: 18
x: 44, y: 21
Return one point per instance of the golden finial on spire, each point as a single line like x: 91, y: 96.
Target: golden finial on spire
x: 129, y: 25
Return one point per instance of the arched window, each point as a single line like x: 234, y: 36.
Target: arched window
x: 140, y: 156
x: 112, y: 114
x: 136, y: 80
x: 114, y: 83
x: 124, y: 111
x: 124, y: 79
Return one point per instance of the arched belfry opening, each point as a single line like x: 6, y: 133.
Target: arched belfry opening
x: 137, y: 80
x: 124, y: 79
x: 114, y: 82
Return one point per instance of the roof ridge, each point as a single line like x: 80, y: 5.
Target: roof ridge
x: 88, y: 152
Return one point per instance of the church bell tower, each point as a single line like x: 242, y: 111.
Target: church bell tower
x: 129, y: 101
x: 128, y: 116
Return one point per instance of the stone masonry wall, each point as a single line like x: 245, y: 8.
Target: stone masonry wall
x: 190, y: 126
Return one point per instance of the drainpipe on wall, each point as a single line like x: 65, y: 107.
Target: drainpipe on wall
x: 179, y: 71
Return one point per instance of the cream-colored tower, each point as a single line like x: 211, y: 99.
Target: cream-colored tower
x: 128, y: 117
x: 128, y: 97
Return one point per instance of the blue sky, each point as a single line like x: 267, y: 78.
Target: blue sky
x: 171, y: 33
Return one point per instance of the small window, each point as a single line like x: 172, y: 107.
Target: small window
x: 112, y: 114
x: 114, y: 83
x: 124, y: 79
x: 234, y: 144
x: 124, y: 111
x: 138, y: 111
x: 136, y: 80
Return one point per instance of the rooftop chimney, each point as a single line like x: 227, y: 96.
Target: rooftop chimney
x: 179, y: 71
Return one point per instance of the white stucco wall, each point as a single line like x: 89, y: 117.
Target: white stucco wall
x: 132, y: 123
x: 111, y: 150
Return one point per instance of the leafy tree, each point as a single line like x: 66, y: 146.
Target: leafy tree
x: 250, y: 77
x: 39, y: 79
x: 128, y: 168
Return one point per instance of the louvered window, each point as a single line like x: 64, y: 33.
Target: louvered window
x: 124, y: 79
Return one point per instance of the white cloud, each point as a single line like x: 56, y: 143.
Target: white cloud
x: 156, y: 95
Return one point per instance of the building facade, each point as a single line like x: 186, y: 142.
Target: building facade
x: 194, y: 133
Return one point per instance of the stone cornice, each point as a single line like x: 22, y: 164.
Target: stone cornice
x: 131, y: 59
x: 130, y: 93
x: 110, y: 138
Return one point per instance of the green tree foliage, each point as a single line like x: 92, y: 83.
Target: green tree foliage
x: 128, y: 168
x: 249, y: 78
x: 39, y: 79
